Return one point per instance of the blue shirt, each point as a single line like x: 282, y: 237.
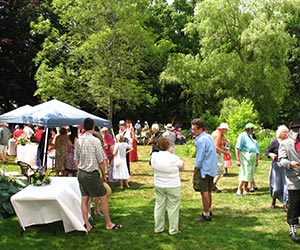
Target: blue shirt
x: 245, y: 143
x: 206, y: 156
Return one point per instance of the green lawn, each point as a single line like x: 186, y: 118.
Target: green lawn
x: 245, y: 222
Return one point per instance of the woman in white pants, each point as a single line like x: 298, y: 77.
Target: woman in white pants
x: 167, y: 186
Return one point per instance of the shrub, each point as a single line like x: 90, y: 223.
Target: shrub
x: 264, y: 138
x: 8, y: 187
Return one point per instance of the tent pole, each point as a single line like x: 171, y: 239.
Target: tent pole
x: 44, y: 163
x: 112, y: 132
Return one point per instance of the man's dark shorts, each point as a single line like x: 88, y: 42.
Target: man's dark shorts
x: 90, y: 184
x: 206, y: 184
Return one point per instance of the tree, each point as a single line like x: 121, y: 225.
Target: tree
x: 244, y: 113
x: 290, y: 107
x: 167, y: 22
x: 243, y: 54
x: 17, y: 49
x: 93, y: 53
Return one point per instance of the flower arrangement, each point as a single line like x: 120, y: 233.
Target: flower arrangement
x: 38, y: 179
x: 22, y: 140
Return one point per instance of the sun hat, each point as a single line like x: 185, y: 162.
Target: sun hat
x: 223, y: 125
x: 169, y: 127
x: 155, y: 126
x: 250, y: 126
x: 108, y: 189
x: 122, y: 123
x: 104, y: 129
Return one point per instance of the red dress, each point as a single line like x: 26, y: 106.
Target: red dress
x: 133, y: 156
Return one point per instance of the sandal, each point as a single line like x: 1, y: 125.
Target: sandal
x: 88, y: 231
x: 116, y: 227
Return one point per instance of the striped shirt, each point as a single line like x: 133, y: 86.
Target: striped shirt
x: 89, y: 153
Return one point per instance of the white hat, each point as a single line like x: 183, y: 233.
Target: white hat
x: 122, y: 123
x: 223, y: 125
x: 169, y: 126
x: 155, y: 126
x: 104, y: 129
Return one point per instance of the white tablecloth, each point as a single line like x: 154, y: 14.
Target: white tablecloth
x: 27, y: 153
x: 59, y: 201
x: 11, y: 150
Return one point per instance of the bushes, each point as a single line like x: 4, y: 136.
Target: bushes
x: 237, y: 115
x: 8, y: 187
x: 264, y: 138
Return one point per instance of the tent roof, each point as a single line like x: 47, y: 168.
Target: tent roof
x: 15, y: 116
x: 55, y: 113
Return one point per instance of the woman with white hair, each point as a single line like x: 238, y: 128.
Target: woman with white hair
x: 278, y: 188
x: 154, y: 137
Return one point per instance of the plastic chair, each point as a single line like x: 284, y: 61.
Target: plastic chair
x: 27, y: 170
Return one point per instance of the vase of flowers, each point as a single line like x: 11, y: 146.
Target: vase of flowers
x: 22, y: 140
x: 38, y: 179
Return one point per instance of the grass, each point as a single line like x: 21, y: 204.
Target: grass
x: 238, y: 223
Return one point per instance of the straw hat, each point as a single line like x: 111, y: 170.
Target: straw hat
x: 223, y: 125
x: 108, y: 189
x: 122, y: 123
x: 169, y: 127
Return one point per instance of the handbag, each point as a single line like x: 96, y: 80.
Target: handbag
x: 196, y: 180
x: 117, y: 160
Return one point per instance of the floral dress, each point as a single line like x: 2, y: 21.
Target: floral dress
x: 70, y: 163
x: 61, y: 147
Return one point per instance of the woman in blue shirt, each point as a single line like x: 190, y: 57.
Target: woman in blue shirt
x: 246, y: 151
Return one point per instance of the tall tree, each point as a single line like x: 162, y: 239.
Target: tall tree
x: 94, y: 53
x: 291, y: 107
x: 168, y: 22
x: 243, y: 54
x: 17, y: 49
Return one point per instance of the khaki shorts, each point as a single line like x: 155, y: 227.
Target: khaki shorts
x: 3, y: 149
x: 206, y: 184
x: 220, y: 158
x: 90, y: 184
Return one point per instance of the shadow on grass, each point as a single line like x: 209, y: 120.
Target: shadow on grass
x: 230, y: 229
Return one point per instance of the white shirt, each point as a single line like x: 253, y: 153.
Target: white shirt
x: 171, y: 136
x: 28, y: 132
x: 166, y: 169
x: 126, y: 134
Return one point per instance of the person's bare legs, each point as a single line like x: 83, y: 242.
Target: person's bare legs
x: 96, y: 202
x: 206, y: 201
x: 3, y: 157
x: 85, y: 207
x: 105, y: 210
x: 121, y: 183
x: 216, y: 179
x: 245, y: 187
x: 126, y: 183
x: 240, y: 187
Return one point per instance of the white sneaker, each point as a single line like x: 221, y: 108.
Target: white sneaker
x: 239, y: 193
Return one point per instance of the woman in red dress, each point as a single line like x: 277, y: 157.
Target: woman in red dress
x: 133, y: 156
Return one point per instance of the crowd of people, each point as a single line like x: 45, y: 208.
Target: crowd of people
x: 81, y: 151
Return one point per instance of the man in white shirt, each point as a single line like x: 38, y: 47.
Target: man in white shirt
x: 28, y: 131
